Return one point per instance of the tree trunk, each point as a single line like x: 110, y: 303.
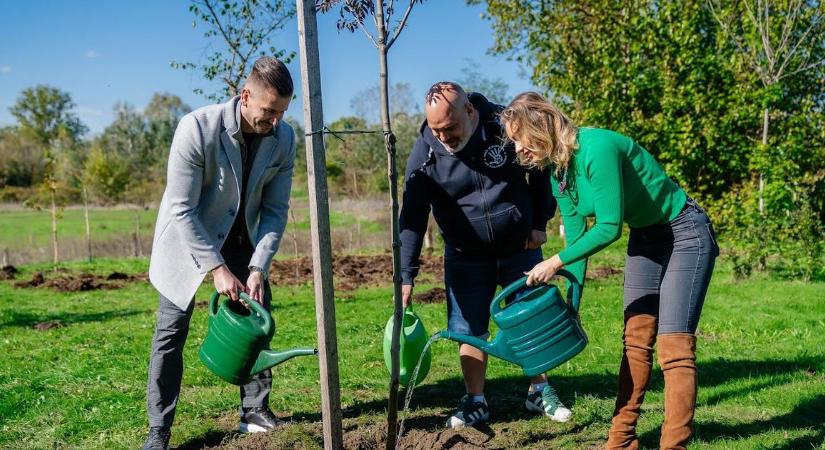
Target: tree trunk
x: 294, y: 233
x: 138, y: 243
x: 88, y: 227
x: 392, y: 173
x: 765, y: 124
x: 354, y: 184
x: 52, y: 189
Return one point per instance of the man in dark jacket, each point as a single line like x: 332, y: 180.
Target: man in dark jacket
x: 492, y: 214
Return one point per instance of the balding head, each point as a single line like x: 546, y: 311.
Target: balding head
x: 450, y: 115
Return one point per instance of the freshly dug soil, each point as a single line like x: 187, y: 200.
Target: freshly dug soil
x: 8, y: 272
x: 43, y: 326
x: 80, y: 282
x: 350, y: 272
x: 434, y: 295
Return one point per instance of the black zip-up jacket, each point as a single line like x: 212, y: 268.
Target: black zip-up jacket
x: 483, y: 201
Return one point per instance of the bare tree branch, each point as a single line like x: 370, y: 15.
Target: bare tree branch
x: 401, y: 25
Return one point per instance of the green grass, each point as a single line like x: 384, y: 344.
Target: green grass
x: 761, y: 358
x: 26, y: 228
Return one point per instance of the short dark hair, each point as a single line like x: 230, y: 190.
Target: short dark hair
x: 271, y: 72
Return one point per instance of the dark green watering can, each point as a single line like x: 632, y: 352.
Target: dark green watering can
x: 237, y: 343
x: 538, y: 332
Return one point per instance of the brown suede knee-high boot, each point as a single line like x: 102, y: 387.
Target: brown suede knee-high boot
x: 634, y: 374
x: 677, y: 357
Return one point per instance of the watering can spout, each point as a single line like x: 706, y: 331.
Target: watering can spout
x: 269, y: 358
x: 487, y: 347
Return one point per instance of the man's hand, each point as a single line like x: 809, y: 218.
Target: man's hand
x: 544, y: 271
x: 535, y: 239
x: 406, y: 294
x: 255, y: 286
x: 226, y: 283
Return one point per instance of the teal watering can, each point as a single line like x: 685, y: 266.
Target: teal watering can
x: 538, y: 332
x: 412, y: 340
x: 237, y: 343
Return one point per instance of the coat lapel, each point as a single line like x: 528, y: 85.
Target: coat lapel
x: 230, y: 144
x: 266, y: 146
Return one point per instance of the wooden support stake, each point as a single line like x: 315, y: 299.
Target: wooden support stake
x: 319, y: 226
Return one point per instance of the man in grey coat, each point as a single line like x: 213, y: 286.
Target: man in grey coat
x: 223, y: 212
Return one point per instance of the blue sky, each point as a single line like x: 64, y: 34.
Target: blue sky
x: 102, y: 52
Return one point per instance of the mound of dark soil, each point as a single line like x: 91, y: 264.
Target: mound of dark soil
x: 8, y: 272
x: 435, y: 295
x: 350, y: 272
x: 43, y: 326
x: 80, y: 282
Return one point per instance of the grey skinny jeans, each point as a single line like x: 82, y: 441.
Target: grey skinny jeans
x: 668, y: 269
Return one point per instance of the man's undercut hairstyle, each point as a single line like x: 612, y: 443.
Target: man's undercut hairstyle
x: 437, y: 91
x: 272, y: 73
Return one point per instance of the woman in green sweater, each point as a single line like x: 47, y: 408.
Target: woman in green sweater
x: 670, y: 256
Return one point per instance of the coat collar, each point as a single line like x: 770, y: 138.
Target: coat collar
x: 231, y: 138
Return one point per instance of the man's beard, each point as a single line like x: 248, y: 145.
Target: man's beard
x: 262, y: 127
x: 460, y: 146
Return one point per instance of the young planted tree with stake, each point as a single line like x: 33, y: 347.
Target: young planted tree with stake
x: 354, y: 15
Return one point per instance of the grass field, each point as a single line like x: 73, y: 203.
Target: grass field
x: 25, y: 234
x: 761, y: 359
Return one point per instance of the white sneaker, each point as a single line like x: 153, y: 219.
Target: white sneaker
x: 469, y: 413
x: 547, y: 402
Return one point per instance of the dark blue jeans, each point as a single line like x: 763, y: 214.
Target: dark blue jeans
x: 668, y: 269
x: 471, y: 283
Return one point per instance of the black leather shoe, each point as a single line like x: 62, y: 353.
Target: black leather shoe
x: 259, y: 420
x: 158, y: 439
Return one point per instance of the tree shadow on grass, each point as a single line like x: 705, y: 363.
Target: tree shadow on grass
x: 27, y: 320
x: 506, y: 396
x: 209, y: 440
x: 808, y: 414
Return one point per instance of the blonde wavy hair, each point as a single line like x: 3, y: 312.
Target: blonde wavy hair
x: 540, y: 126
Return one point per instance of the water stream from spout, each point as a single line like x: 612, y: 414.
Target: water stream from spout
x: 411, y: 388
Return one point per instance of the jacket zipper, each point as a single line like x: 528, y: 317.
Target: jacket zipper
x: 484, y: 205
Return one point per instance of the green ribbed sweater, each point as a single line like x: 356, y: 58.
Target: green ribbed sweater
x: 614, y: 180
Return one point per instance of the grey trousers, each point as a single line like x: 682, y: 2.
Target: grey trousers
x: 668, y: 269
x: 166, y: 365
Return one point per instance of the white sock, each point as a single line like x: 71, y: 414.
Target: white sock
x: 538, y: 386
x: 479, y: 398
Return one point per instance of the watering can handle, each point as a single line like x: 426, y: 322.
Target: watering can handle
x: 252, y: 305
x: 258, y: 309
x: 574, y: 293
x: 213, y: 303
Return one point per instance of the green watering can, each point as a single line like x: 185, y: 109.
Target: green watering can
x: 538, y: 332
x: 412, y: 340
x: 237, y: 343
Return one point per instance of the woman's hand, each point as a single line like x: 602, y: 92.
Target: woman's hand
x: 544, y: 271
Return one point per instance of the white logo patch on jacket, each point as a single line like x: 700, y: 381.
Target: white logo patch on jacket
x: 495, y: 156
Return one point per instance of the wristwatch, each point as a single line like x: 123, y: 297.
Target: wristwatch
x: 257, y: 269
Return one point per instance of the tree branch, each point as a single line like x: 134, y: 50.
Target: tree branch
x: 401, y: 25
x: 349, y: 3
x: 814, y: 23
x: 214, y: 15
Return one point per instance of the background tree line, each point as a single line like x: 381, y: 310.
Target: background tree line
x: 728, y: 95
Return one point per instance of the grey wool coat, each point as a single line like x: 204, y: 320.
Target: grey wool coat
x: 203, y: 195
